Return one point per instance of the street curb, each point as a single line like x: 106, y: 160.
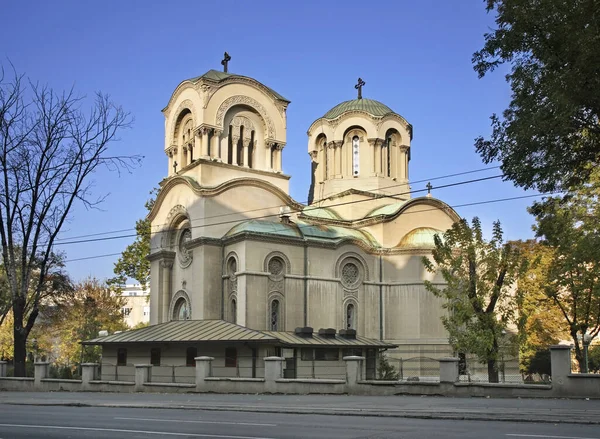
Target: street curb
x: 333, y: 412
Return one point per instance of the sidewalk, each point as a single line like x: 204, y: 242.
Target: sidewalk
x: 509, y: 409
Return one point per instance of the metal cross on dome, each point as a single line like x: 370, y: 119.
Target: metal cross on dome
x: 429, y: 187
x: 359, y: 87
x: 226, y: 59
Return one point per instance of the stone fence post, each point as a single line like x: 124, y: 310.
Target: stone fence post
x: 3, y: 368
x: 448, y: 370
x: 203, y: 370
x: 89, y: 372
x: 143, y: 374
x: 560, y: 364
x: 354, y: 372
x: 273, y: 372
x: 40, y: 372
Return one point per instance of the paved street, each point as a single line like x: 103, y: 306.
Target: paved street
x: 505, y: 409
x: 105, y: 422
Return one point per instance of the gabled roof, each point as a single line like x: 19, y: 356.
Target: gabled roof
x: 182, y: 331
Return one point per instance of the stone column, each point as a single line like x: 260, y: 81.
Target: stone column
x: 329, y: 155
x: 246, y: 147
x: 89, y: 372
x: 375, y: 146
x: 321, y: 167
x: 166, y: 267
x: 402, y: 162
x: 354, y: 372
x: 338, y: 159
x: 234, y: 145
x: 560, y: 364
x: 143, y: 374
x: 279, y: 157
x: 203, y: 371
x: 3, y: 368
x: 215, y: 146
x: 205, y: 132
x: 40, y: 372
x: 273, y: 372
x: 448, y: 370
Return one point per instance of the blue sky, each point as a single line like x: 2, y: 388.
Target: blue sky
x: 414, y: 56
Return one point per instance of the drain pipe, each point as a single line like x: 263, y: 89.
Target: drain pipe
x: 305, y: 282
x: 380, y: 296
x: 223, y: 281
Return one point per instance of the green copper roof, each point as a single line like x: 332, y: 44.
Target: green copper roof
x: 266, y: 227
x: 217, y: 76
x: 302, y: 230
x: 420, y: 237
x: 320, y: 212
x: 388, y: 209
x: 374, y: 108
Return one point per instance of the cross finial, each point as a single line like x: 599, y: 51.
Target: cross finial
x: 359, y: 87
x: 175, y: 167
x: 429, y: 187
x: 226, y: 59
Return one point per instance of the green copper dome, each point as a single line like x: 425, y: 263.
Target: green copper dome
x: 374, y: 108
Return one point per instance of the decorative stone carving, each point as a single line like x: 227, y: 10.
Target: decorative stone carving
x: 276, y: 266
x: 185, y: 256
x: 186, y: 104
x: 350, y: 275
x: 313, y: 155
x: 245, y: 100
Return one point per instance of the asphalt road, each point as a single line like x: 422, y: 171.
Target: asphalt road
x: 27, y: 421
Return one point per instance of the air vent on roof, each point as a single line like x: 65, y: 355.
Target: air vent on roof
x: 327, y: 332
x: 348, y: 333
x: 307, y: 332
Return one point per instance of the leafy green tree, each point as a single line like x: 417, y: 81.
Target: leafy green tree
x: 386, y: 371
x: 93, y: 307
x: 539, y: 363
x: 479, y: 279
x: 570, y: 227
x: 549, y: 136
x: 133, y: 262
x: 594, y: 358
x: 540, y: 321
x: 49, y: 149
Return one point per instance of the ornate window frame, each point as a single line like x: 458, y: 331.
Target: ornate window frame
x: 185, y: 255
x: 285, y: 268
x: 181, y: 294
x: 281, y: 315
x: 361, y: 265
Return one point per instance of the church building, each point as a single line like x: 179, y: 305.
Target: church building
x: 229, y: 244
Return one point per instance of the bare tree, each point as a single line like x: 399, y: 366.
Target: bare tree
x: 49, y: 148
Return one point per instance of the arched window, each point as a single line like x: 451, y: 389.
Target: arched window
x: 233, y: 311
x: 181, y: 310
x: 231, y: 266
x: 275, y: 310
x: 350, y: 316
x: 355, y: 156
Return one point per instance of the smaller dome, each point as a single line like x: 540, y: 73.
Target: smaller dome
x: 421, y: 237
x: 374, y: 108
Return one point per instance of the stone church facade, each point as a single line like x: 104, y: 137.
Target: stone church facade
x: 229, y: 243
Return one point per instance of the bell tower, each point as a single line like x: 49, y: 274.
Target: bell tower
x: 220, y: 126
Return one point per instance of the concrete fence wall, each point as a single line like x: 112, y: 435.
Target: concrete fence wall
x: 564, y: 383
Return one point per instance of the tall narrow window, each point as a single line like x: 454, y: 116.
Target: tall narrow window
x: 233, y: 311
x: 230, y: 146
x: 355, y: 156
x: 388, y: 161
x: 275, y: 315
x: 350, y: 316
x: 190, y: 356
x: 155, y: 356
x: 121, y: 357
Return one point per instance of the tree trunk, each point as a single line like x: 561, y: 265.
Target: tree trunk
x: 492, y: 371
x: 20, y: 351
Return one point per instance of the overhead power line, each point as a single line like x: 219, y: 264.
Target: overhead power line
x: 475, y: 203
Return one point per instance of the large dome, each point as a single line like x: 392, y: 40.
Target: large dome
x: 374, y: 108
